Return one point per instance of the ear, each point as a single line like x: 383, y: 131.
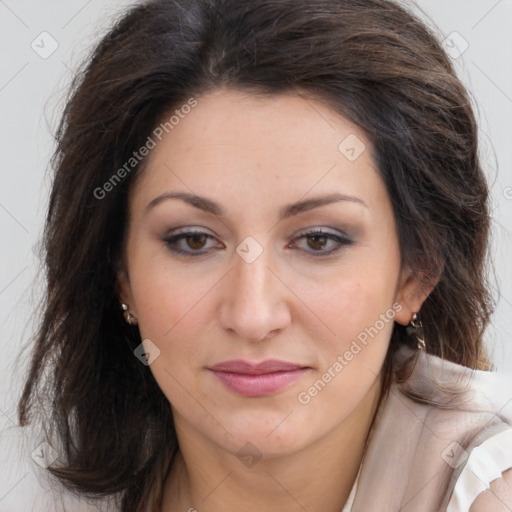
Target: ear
x: 413, y: 289
x: 124, y: 291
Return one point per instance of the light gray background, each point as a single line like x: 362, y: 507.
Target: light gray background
x: 32, y: 90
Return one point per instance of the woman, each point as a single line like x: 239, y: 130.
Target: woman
x: 265, y: 249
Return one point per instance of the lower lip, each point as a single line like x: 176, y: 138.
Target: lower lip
x: 259, y: 385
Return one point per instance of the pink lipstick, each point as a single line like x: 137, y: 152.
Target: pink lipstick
x: 263, y: 379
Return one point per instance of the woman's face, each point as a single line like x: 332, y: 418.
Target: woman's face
x: 251, y: 178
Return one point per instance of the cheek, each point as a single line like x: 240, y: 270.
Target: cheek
x: 172, y: 313
x: 351, y: 302
x: 362, y: 317
x: 167, y: 299
x: 358, y: 309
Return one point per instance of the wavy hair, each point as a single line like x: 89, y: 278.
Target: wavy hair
x: 373, y: 62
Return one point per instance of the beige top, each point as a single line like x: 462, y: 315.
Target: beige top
x: 438, y: 439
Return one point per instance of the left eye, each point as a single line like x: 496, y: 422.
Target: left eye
x: 318, y: 240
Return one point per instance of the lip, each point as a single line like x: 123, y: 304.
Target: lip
x: 248, y: 368
x: 258, y: 379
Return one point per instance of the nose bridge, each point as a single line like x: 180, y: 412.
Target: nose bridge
x: 251, y: 283
x: 254, y: 302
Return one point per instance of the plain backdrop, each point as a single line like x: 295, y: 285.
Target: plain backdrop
x: 42, y: 42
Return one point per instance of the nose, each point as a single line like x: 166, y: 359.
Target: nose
x: 254, y: 304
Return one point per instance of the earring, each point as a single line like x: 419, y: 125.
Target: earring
x: 416, y: 328
x: 132, y: 320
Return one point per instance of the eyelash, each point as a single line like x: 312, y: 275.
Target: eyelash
x: 343, y: 241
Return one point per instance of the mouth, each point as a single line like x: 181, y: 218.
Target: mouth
x: 258, y: 379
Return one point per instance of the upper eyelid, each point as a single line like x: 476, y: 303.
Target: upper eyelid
x: 301, y: 232
x: 324, y: 230
x: 188, y: 232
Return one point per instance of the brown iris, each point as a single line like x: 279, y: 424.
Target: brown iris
x: 196, y: 240
x: 316, y: 241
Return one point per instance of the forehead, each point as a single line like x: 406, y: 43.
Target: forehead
x: 231, y: 117
x: 234, y: 142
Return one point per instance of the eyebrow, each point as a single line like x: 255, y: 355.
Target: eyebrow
x: 209, y: 206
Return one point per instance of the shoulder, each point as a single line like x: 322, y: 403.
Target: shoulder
x: 497, y: 498
x: 485, y: 482
x: 471, y: 412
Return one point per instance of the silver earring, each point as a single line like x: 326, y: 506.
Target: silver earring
x: 129, y: 318
x: 418, y: 331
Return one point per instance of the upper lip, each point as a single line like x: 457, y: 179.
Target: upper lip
x: 246, y: 367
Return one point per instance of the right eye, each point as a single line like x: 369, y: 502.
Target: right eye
x: 189, y: 243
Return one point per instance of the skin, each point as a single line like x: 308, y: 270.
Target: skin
x: 253, y: 156
x: 497, y: 498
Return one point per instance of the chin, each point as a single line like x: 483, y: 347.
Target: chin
x: 269, y: 435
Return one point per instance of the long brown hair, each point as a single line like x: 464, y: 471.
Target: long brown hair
x: 370, y: 60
